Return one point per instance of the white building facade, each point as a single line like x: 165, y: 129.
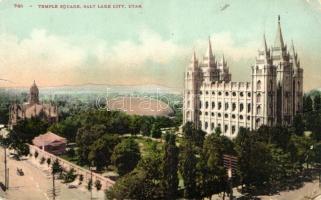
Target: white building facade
x: 273, y: 96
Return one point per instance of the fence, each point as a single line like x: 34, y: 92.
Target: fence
x: 87, y: 174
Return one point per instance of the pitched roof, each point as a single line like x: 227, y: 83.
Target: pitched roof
x: 48, y: 138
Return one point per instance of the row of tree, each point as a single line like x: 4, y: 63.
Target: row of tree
x: 270, y: 159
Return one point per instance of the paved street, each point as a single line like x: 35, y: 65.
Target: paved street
x: 36, y: 183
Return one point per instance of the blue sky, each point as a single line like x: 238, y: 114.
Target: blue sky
x: 148, y: 45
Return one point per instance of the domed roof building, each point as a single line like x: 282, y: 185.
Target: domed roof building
x: 33, y: 109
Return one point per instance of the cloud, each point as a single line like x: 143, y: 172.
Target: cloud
x: 57, y: 60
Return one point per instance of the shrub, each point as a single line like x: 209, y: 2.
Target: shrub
x: 48, y: 161
x: 90, y: 185
x: 36, y: 154
x: 42, y: 161
x: 98, y: 185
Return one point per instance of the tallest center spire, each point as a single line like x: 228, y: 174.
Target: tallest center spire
x: 209, y: 50
x: 279, y: 37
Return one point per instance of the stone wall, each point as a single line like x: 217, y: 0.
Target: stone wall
x: 106, y: 182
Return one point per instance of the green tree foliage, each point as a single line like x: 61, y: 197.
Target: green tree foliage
x: 125, y: 156
x: 317, y: 103
x: 98, y: 185
x: 254, y: 159
x: 56, y: 167
x: 188, y: 163
x: 29, y: 128
x: 194, y: 135
x: 156, y: 131
x: 170, y: 167
x: 143, y: 182
x: 298, y: 124
x: 48, y: 161
x: 86, y: 136
x: 101, y: 150
x: 212, y: 171
x: 70, y: 176
x: 134, y: 185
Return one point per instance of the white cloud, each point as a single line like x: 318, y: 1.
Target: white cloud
x: 56, y: 60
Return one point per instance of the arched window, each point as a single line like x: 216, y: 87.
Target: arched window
x: 233, y: 106
x: 212, y: 126
x: 225, y: 128
x: 241, y: 94
x: 206, y: 125
x: 200, y: 104
x: 226, y: 93
x: 187, y: 114
x: 241, y: 107
x: 233, y: 116
x: 219, y: 93
x: 248, y: 107
x: 258, y: 110
x: 258, y: 85
x: 219, y: 105
x: 226, y: 115
x: 226, y: 106
x: 206, y: 104
x: 234, y: 94
x: 258, y: 98
x: 233, y: 129
x: 212, y: 114
x: 219, y: 115
x: 206, y: 113
x: 213, y: 105
x: 241, y: 117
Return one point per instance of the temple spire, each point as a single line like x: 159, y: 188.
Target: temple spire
x: 295, y: 55
x: 279, y: 38
x: 209, y: 50
x: 264, y: 43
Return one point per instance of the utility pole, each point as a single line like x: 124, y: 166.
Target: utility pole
x: 6, y: 177
x: 91, y: 181
x: 53, y: 187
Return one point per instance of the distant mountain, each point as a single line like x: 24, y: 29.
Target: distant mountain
x: 103, y: 88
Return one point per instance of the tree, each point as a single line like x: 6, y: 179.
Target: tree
x: 170, y: 167
x: 70, y: 176
x: 298, y: 125
x: 90, y: 185
x: 125, y: 156
x: 101, y: 150
x: 56, y: 167
x: 48, y: 161
x: 86, y: 136
x: 42, y: 160
x: 156, y: 131
x: 36, y: 154
x: 254, y: 158
x: 188, y: 164
x: 317, y: 103
x: 134, y: 185
x: 212, y: 170
x: 98, y: 185
x: 194, y: 135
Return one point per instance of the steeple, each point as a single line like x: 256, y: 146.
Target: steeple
x: 223, y: 60
x: 279, y: 38
x: 194, y: 59
x: 264, y: 44
x: 294, y: 56
x: 34, y: 94
x: 209, y: 53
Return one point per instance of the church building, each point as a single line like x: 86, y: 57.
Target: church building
x: 273, y: 96
x: 33, y: 108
